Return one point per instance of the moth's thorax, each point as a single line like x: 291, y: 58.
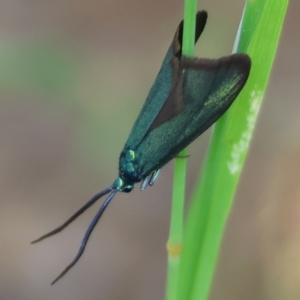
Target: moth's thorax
x: 128, y: 172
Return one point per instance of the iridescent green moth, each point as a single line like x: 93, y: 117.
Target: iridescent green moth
x: 187, y: 97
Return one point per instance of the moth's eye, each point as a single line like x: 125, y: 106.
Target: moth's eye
x: 128, y: 188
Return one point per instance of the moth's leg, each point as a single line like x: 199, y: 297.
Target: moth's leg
x: 145, y: 182
x: 153, y: 177
x: 149, y: 180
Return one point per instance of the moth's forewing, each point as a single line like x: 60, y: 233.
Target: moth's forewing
x: 187, y: 97
x: 164, y: 84
x: 208, y: 88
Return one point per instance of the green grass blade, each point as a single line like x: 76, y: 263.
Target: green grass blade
x: 180, y: 166
x: 228, y: 148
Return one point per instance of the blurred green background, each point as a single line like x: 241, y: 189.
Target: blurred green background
x: 73, y: 77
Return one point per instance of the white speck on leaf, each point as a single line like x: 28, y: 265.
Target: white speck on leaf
x: 239, y: 149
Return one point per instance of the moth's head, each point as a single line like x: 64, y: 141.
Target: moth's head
x: 121, y: 185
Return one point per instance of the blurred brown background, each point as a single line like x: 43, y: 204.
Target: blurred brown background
x: 73, y: 77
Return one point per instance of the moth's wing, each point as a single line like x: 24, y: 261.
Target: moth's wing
x: 208, y: 88
x: 163, y: 85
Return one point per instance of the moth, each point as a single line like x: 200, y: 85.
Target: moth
x: 189, y: 94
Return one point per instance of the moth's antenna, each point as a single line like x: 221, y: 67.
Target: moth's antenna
x: 77, y: 214
x: 87, y: 235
